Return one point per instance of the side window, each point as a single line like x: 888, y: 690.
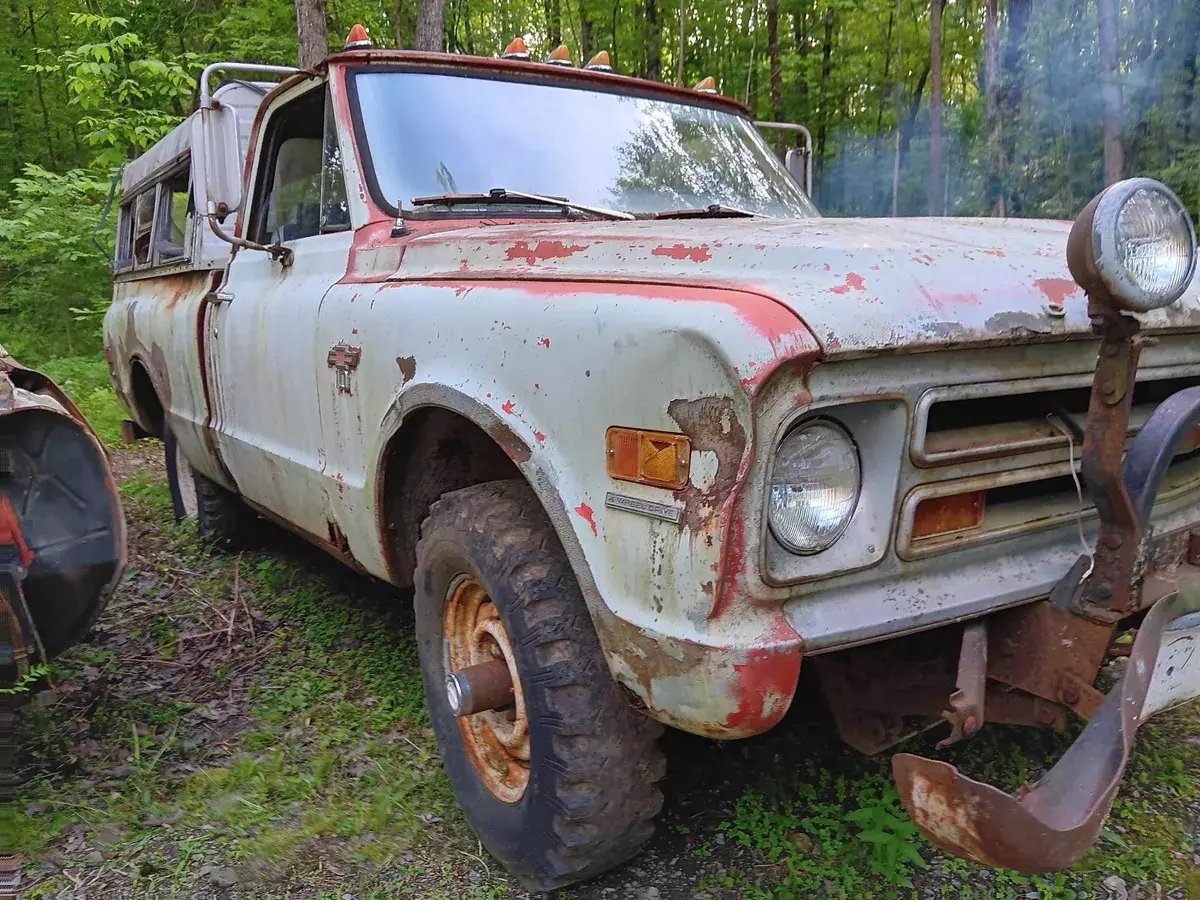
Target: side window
x: 300, y: 188
x: 335, y: 213
x: 124, y: 238
x: 143, y: 225
x: 174, y: 210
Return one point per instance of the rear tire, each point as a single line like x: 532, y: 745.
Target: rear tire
x: 220, y: 516
x: 588, y: 794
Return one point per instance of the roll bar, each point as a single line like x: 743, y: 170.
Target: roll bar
x: 247, y: 68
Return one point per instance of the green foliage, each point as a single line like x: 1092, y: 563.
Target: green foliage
x: 86, y: 381
x: 891, y: 836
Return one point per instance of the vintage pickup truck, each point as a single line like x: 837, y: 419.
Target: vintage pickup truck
x: 575, y: 356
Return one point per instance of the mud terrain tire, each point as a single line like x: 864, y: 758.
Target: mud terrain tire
x: 220, y: 516
x: 594, y: 765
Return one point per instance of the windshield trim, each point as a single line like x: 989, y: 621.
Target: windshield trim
x: 620, y: 86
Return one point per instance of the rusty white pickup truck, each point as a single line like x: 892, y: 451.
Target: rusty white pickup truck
x: 574, y: 356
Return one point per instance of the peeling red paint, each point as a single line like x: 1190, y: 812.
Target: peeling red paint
x: 854, y: 281
x: 999, y: 253
x: 1056, y: 289
x: 509, y: 407
x: 544, y: 341
x: 540, y: 437
x: 542, y: 251
x: 766, y: 682
x: 682, y: 252
x: 354, y: 331
x: 588, y: 516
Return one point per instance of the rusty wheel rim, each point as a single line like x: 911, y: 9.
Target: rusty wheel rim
x: 496, y: 741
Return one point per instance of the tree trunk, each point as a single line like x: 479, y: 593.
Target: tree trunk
x: 312, y: 38
x: 653, y: 70
x: 554, y: 22
x: 431, y: 26
x: 990, y: 32
x: 826, y: 52
x: 679, y: 59
x: 1009, y: 93
x: 1110, y: 91
x: 899, y: 105
x: 800, y: 20
x: 397, y: 9
x: 935, y: 107
x: 776, y: 72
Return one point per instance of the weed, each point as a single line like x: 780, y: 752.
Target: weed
x: 891, y: 836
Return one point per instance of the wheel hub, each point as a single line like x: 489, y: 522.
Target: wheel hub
x: 496, y: 740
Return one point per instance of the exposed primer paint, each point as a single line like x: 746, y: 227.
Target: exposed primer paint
x: 542, y: 251
x: 1056, y: 289
x: 588, y: 516
x: 854, y: 282
x: 682, y: 251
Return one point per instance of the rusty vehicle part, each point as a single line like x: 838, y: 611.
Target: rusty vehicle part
x: 1048, y: 827
x: 881, y: 694
x: 496, y: 739
x: 966, y: 709
x: 62, y: 534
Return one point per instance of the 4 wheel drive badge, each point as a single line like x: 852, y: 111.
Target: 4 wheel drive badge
x: 343, y: 359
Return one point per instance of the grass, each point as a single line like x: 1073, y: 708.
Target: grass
x: 328, y: 757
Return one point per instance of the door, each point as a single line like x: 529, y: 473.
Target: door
x: 264, y: 360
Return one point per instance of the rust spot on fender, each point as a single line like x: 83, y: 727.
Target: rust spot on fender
x: 542, y: 251
x: 1056, y: 289
x: 712, y: 425
x: 682, y: 251
x: 408, y: 367
x: 544, y: 341
x: 509, y: 407
x: 586, y: 513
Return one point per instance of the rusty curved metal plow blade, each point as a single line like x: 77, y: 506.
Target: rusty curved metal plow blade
x: 1049, y: 827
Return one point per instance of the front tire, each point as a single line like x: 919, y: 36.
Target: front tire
x: 220, y: 516
x: 564, y: 785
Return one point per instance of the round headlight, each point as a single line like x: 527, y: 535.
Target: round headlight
x: 814, y: 486
x: 1135, y: 245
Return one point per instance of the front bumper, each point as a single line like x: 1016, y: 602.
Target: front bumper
x: 1049, y: 826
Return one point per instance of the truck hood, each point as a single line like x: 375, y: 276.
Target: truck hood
x: 861, y: 286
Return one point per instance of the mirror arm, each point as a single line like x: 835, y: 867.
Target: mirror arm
x: 277, y: 251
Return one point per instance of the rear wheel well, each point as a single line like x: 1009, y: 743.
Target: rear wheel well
x: 145, y: 398
x: 435, y: 451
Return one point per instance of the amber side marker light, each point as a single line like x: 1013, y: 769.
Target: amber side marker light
x: 358, y: 39
x: 648, y: 457
x: 937, y: 516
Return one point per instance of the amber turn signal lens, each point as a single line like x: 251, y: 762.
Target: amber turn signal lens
x: 648, y: 457
x: 946, y: 515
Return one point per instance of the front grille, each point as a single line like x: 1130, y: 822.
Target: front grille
x: 1025, y: 500
x: 982, y: 421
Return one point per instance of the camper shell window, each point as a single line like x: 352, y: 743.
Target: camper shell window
x: 155, y: 226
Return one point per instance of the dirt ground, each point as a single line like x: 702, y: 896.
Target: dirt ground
x: 252, y: 725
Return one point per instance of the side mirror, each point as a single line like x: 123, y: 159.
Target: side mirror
x: 220, y: 161
x: 796, y: 163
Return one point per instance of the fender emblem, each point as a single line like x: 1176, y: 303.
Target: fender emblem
x: 343, y: 359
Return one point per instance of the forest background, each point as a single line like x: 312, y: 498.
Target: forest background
x: 955, y: 107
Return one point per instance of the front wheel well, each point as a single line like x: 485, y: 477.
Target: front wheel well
x: 435, y: 451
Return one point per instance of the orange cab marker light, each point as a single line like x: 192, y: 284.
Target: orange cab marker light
x: 358, y: 39
x: 600, y: 62
x: 516, y: 50
x: 936, y: 516
x: 657, y: 458
x: 706, y: 85
x: 560, y: 56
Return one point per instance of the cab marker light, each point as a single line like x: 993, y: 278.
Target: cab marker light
x: 936, y: 516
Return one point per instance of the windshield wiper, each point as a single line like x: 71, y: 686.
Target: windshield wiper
x: 713, y: 211
x: 503, y: 195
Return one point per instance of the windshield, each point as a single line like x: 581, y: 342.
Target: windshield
x: 432, y: 134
